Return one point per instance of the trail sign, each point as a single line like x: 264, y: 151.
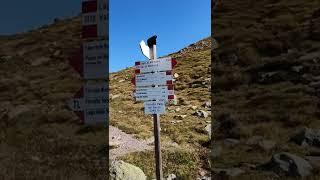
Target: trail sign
x: 161, y: 64
x: 154, y: 93
x: 91, y: 60
x: 154, y: 107
x: 94, y: 19
x: 153, y: 79
x: 91, y: 103
x: 95, y: 62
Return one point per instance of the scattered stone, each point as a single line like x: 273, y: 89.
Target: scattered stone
x: 289, y: 164
x: 35, y: 158
x: 115, y: 96
x: 171, y: 177
x: 120, y: 170
x: 201, y: 114
x: 266, y: 145
x: 114, y: 143
x: 310, y: 56
x: 175, y: 75
x: 307, y: 137
x: 254, y: 140
x: 18, y: 110
x: 207, y: 104
x: 297, y: 69
x: 180, y: 117
x: 194, y: 107
x: 178, y: 109
x: 315, y: 84
x: 40, y: 61
x: 57, y: 53
x: 233, y: 172
x: 122, y: 80
x: 248, y: 166
x: 208, y: 130
x: 204, y: 178
x: 231, y: 142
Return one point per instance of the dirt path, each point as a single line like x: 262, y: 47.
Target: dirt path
x: 126, y: 143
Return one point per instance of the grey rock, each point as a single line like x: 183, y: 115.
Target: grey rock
x: 207, y: 104
x: 232, y: 172
x: 115, y: 96
x: 231, y: 142
x: 176, y: 75
x: 120, y: 170
x: 254, y: 140
x: 310, y: 56
x: 266, y: 144
x: 202, y: 114
x: 18, y: 110
x: 289, y: 164
x: 208, y: 130
x: 315, y: 84
x: 171, y: 177
x: 297, y: 69
x: 307, y: 137
x: 180, y: 117
x: 216, y: 151
x: 40, y: 61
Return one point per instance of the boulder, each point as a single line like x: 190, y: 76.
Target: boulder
x: 307, y: 137
x: 288, y: 164
x: 120, y: 170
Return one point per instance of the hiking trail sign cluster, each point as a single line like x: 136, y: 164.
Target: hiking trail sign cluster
x: 154, y: 82
x: 91, y: 62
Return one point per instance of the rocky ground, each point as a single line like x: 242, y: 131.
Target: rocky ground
x: 266, y: 89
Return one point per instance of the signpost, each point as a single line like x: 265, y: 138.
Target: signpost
x: 91, y: 62
x: 154, y: 85
x: 91, y: 103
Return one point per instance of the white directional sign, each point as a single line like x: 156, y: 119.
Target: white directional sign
x: 154, y: 93
x: 95, y: 62
x: 92, y: 101
x: 154, y: 107
x: 150, y: 79
x: 161, y: 64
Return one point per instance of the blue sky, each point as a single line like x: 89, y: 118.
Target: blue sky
x: 177, y: 23
x: 19, y: 16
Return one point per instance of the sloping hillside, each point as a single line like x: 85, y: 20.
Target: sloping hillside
x: 266, y: 86
x: 39, y: 136
x: 185, y: 142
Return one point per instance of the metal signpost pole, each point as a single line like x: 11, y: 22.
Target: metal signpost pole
x: 156, y: 124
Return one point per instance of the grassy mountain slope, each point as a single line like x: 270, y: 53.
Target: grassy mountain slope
x: 265, y: 69
x: 39, y: 136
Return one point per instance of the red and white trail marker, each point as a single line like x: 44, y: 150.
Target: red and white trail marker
x: 94, y: 18
x: 156, y: 65
x: 153, y: 79
x: 154, y: 93
x: 90, y: 103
